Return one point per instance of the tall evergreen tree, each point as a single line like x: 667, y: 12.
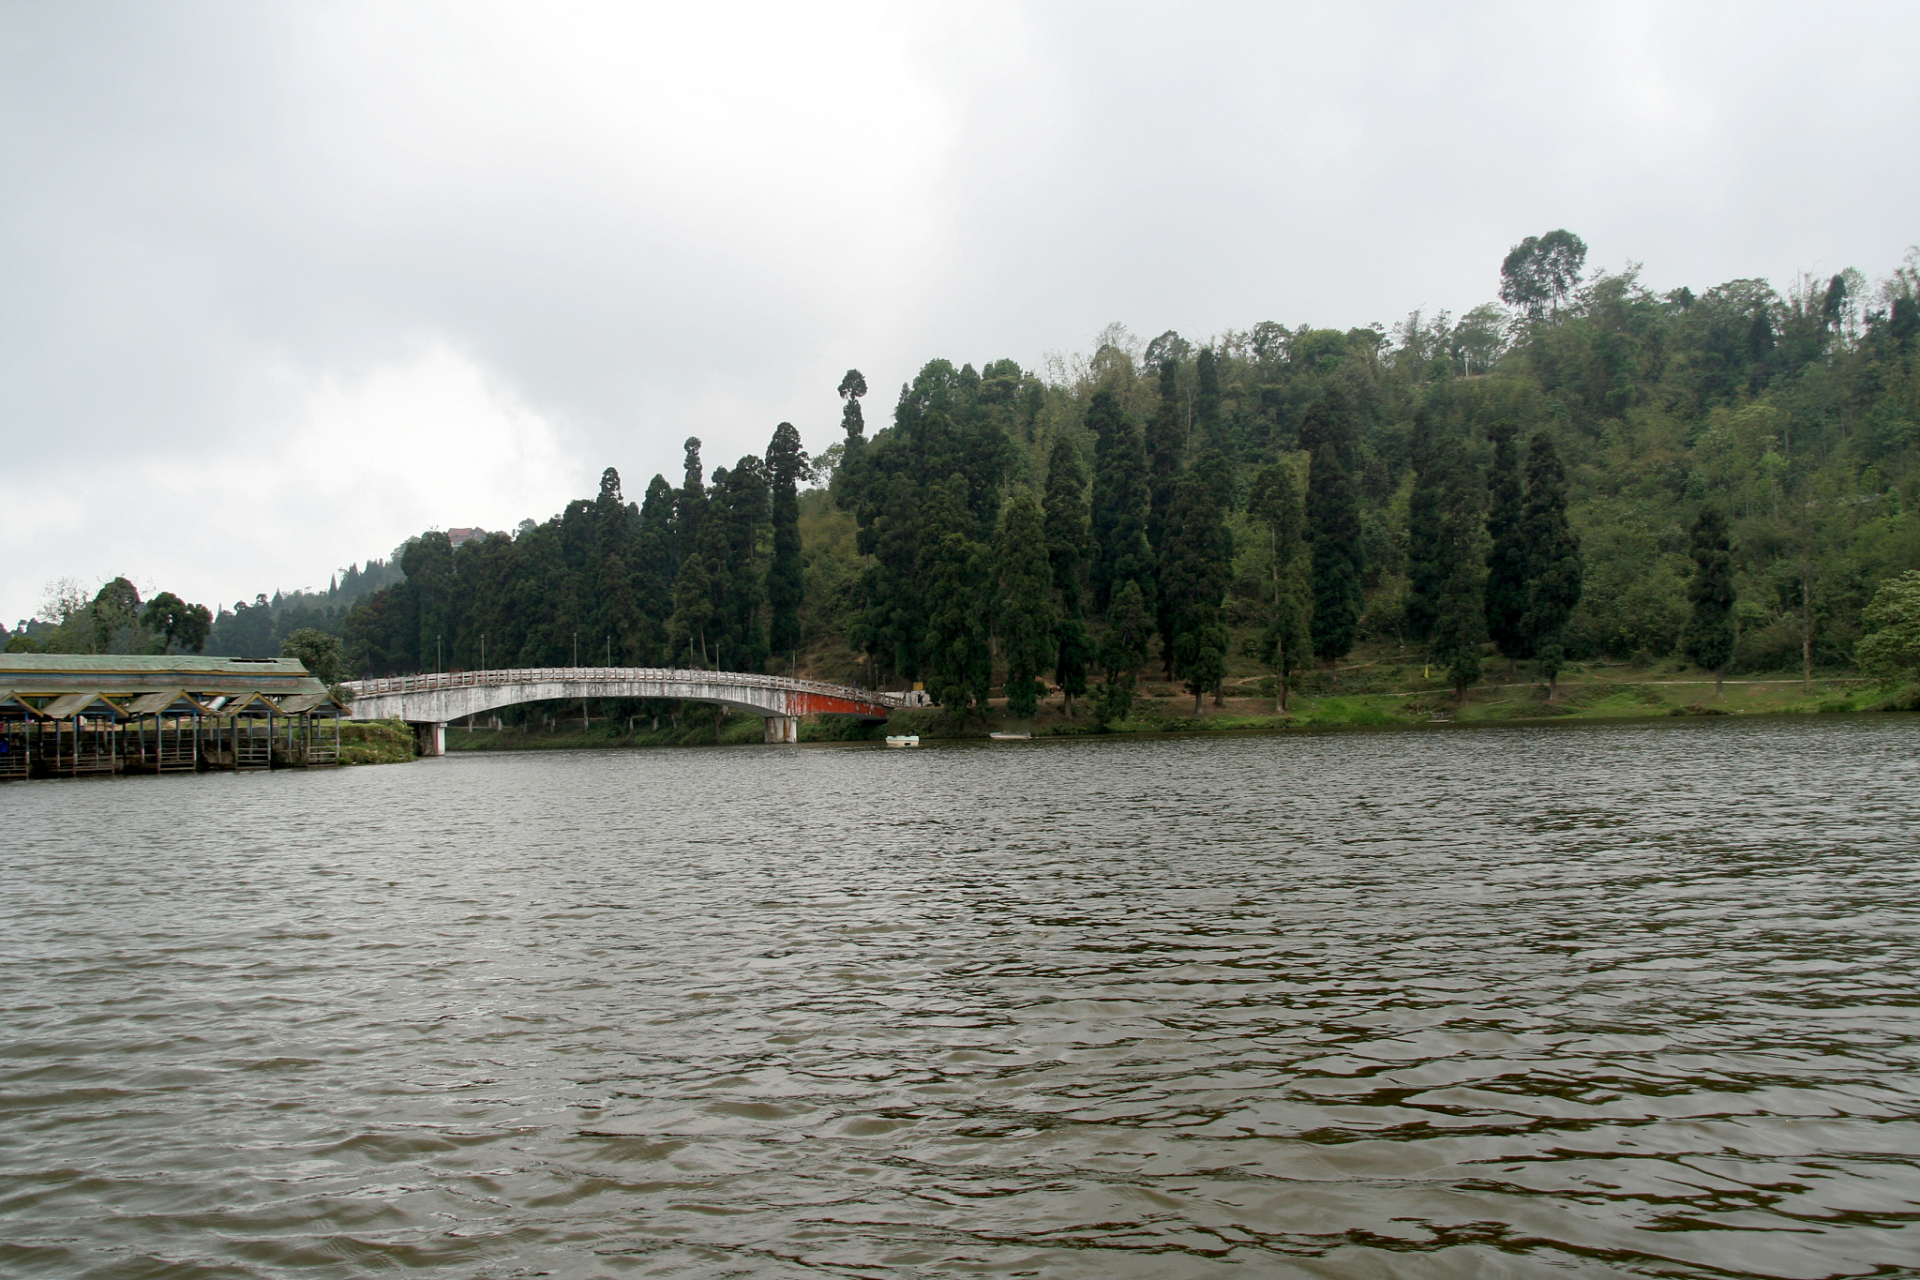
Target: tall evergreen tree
x: 849, y: 477
x: 1194, y: 574
x: 1069, y: 552
x: 1459, y: 607
x: 1333, y: 524
x: 954, y: 575
x: 1285, y: 642
x: 1506, y: 588
x: 1708, y: 638
x: 852, y: 387
x: 655, y: 568
x: 1166, y: 452
x: 786, y: 578
x: 1120, y: 501
x: 692, y: 612
x: 1426, y: 567
x: 1553, y: 559
x: 1024, y: 616
x: 689, y: 503
x: 1207, y: 417
x: 1122, y: 651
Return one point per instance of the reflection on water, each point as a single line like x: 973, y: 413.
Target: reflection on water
x: 1519, y: 1002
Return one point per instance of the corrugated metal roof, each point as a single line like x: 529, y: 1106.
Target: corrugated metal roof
x: 121, y: 674
x: 144, y: 662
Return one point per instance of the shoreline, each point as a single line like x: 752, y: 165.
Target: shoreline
x: 1602, y: 701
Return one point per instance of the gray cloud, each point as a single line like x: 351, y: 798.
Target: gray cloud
x: 286, y: 283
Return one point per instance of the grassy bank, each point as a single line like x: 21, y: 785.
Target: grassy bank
x: 375, y: 742
x: 1374, y: 694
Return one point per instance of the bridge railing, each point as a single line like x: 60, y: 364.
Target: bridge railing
x: 437, y: 681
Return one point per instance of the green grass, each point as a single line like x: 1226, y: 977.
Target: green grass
x: 375, y: 742
x: 1377, y: 695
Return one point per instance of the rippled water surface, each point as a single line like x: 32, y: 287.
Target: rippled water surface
x: 1522, y: 1002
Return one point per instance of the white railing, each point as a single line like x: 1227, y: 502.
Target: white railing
x: 437, y: 681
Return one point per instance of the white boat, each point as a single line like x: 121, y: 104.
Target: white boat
x: 903, y: 739
x: 1009, y: 737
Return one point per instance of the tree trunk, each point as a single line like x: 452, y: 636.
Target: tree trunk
x: 1719, y: 681
x: 1197, y: 695
x: 1806, y: 631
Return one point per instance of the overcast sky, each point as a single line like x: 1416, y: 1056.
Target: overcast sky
x: 285, y: 283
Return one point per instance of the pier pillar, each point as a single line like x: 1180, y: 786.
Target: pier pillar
x: 430, y: 737
x: 783, y: 729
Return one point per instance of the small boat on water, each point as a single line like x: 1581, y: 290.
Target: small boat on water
x: 1009, y: 737
x: 903, y: 739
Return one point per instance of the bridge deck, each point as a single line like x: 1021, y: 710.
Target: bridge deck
x: 433, y: 701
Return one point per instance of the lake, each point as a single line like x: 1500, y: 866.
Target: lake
x: 1554, y: 1001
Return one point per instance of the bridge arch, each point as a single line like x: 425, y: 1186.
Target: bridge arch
x: 431, y: 702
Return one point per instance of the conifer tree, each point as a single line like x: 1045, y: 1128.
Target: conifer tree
x: 1120, y: 502
x: 1708, y: 638
x: 1553, y: 559
x: 1206, y: 403
x: 1025, y: 619
x: 1122, y: 651
x: 1166, y: 451
x: 1459, y: 618
x: 1333, y: 524
x: 849, y: 478
x: 786, y: 581
x: 1069, y: 552
x: 954, y: 574
x: 1426, y: 571
x: 1194, y: 573
x: 689, y: 503
x: 1506, y: 589
x: 1284, y: 643
x: 692, y: 611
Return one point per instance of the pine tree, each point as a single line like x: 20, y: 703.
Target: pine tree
x: 1122, y: 651
x: 1069, y: 551
x: 1333, y: 524
x: 786, y: 579
x: 1166, y: 452
x: 1120, y: 502
x: 1284, y: 643
x: 689, y: 503
x: 1553, y: 559
x: 1025, y: 619
x: 849, y: 478
x: 1506, y: 588
x: 1426, y: 571
x: 953, y: 574
x: 1459, y: 618
x: 692, y: 611
x: 1708, y: 638
x: 1206, y: 403
x: 1194, y: 573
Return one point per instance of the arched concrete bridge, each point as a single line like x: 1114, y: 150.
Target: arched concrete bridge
x: 430, y: 702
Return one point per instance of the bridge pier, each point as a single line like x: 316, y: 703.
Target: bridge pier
x: 429, y: 737
x: 783, y: 729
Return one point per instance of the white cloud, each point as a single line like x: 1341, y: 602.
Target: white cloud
x: 431, y: 440
x: 623, y: 224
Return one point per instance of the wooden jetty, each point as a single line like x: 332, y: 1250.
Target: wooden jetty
x: 70, y: 715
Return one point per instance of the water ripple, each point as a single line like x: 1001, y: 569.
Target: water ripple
x: 1495, y: 1003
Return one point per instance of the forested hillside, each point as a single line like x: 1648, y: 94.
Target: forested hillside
x: 1539, y: 481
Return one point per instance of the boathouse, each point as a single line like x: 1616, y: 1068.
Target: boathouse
x: 63, y: 715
